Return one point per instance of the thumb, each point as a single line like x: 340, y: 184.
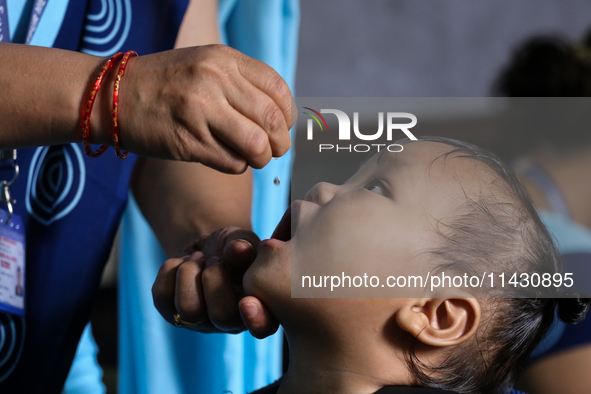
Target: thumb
x: 240, y: 251
x: 257, y: 318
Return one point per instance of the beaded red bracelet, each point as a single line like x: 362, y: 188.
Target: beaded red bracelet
x: 87, y: 110
x: 120, y: 73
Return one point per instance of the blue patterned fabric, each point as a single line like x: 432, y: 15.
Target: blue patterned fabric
x: 71, y: 205
x: 156, y: 357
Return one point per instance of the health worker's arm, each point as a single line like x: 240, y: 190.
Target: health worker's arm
x: 207, y: 104
x: 184, y: 202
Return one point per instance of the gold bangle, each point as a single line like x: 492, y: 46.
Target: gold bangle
x: 179, y: 322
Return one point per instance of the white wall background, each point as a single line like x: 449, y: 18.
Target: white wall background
x: 351, y: 48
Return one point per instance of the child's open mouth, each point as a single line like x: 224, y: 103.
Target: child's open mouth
x: 283, y: 230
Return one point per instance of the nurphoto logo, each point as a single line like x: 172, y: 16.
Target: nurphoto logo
x: 344, y: 132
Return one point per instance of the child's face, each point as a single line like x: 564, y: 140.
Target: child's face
x: 377, y: 223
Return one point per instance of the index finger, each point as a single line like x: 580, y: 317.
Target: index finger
x: 238, y: 256
x: 213, y: 245
x: 270, y: 82
x: 239, y: 252
x: 242, y: 234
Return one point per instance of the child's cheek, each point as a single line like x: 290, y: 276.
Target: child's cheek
x: 270, y: 282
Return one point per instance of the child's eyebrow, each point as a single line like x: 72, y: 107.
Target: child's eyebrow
x: 394, y: 157
x: 380, y: 156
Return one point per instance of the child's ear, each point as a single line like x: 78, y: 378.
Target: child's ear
x: 440, y: 321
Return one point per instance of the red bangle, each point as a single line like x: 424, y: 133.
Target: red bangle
x: 87, y: 110
x: 120, y: 154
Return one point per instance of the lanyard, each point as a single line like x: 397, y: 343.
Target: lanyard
x: 36, y: 12
x: 547, y: 186
x: 4, y: 30
x: 12, y: 232
x: 8, y: 154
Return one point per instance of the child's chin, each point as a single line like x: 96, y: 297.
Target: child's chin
x: 249, y: 280
x: 255, y: 280
x: 259, y: 281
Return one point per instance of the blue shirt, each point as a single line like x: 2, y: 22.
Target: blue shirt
x: 154, y: 356
x: 574, y: 245
x: 71, y: 205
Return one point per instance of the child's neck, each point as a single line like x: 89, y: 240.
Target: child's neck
x: 312, y: 379
x: 362, y: 364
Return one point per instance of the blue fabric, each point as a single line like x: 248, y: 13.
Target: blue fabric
x: 19, y: 13
x: 85, y: 376
x: 154, y: 356
x: 71, y: 205
x: 544, y: 182
x: 59, y: 193
x: 574, y: 244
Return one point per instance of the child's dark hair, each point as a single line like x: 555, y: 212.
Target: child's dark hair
x: 497, y: 235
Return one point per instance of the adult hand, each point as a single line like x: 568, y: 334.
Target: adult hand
x: 206, y: 286
x: 209, y: 104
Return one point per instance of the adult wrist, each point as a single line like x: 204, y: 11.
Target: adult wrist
x: 100, y: 119
x: 103, y: 98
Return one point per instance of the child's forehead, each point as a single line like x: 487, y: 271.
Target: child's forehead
x: 437, y: 164
x: 419, y: 154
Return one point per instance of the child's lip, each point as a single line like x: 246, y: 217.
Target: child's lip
x: 283, y: 230
x: 270, y: 242
x: 288, y: 223
x: 286, y: 227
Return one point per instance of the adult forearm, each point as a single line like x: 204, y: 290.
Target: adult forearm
x: 41, y: 92
x: 208, y: 104
x: 185, y: 201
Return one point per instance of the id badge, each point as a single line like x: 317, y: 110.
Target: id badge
x: 12, y: 264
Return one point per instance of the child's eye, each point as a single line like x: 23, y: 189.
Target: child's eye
x: 378, y: 187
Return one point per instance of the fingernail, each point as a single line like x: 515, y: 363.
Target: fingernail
x: 196, y: 256
x: 250, y: 310
x: 250, y: 247
x: 246, y: 242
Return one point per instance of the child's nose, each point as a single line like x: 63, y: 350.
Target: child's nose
x: 322, y: 193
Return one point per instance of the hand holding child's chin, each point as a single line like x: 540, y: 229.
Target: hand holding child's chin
x: 205, y: 286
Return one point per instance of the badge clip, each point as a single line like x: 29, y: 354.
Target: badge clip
x: 5, y: 195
